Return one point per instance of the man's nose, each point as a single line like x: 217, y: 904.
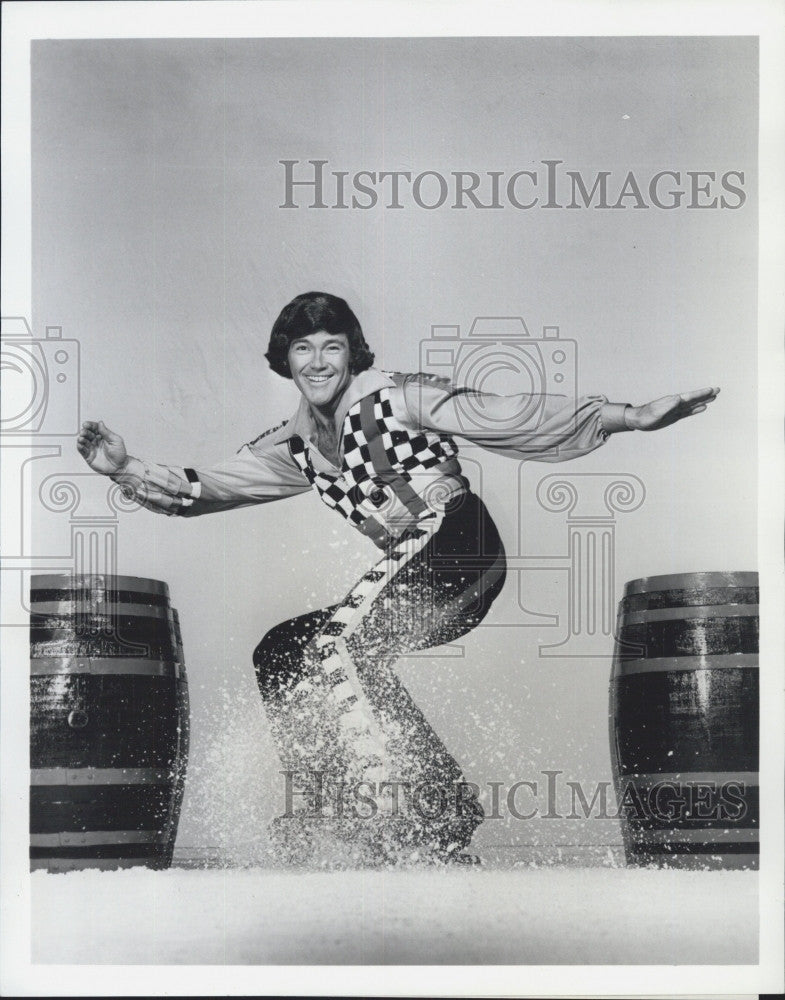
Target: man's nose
x: 317, y: 361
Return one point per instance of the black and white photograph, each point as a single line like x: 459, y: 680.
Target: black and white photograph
x: 392, y: 499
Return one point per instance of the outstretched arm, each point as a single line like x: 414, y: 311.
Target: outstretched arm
x: 250, y: 477
x: 548, y: 427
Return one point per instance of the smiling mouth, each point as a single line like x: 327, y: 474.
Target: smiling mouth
x: 317, y: 379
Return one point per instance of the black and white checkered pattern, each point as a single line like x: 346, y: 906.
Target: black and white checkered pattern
x: 405, y: 453
x: 334, y: 490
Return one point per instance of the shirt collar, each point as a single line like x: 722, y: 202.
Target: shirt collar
x: 301, y: 422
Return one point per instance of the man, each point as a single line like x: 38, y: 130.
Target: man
x: 378, y: 449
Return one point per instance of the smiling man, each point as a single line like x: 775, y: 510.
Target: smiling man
x: 375, y: 783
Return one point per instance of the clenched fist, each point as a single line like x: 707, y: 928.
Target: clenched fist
x: 102, y: 449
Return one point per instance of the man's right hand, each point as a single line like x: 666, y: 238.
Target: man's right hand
x: 102, y: 449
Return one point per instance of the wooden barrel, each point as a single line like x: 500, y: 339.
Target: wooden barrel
x: 684, y: 720
x: 108, y: 722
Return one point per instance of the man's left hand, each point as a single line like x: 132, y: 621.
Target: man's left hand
x: 667, y: 410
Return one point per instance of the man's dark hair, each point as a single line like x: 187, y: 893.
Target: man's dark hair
x: 310, y: 313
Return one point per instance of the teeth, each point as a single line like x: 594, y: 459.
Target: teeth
x: 318, y: 378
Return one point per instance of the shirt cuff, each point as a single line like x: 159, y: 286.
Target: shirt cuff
x: 132, y: 473
x: 612, y: 417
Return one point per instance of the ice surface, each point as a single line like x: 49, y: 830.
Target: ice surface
x: 594, y: 916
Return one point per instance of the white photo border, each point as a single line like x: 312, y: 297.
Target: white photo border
x: 24, y: 22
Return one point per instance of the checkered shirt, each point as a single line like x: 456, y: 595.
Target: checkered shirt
x: 378, y: 452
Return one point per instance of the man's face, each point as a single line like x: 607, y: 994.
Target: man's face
x: 319, y: 364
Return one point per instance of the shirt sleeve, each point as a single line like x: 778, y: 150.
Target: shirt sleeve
x: 544, y: 427
x: 259, y: 473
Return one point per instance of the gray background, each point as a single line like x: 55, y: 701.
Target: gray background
x: 158, y: 243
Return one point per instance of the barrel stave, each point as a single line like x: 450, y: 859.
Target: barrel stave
x: 129, y: 721
x: 687, y: 720
x: 692, y: 636
x: 79, y: 808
